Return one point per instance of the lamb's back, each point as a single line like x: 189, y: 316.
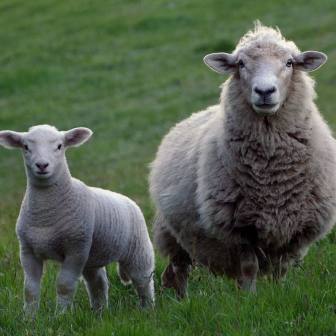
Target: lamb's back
x: 118, y: 224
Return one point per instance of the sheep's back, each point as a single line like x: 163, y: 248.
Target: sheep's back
x: 174, y: 170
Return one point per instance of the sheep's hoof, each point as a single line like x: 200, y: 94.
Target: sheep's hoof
x: 279, y: 272
x: 248, y: 285
x: 177, y: 279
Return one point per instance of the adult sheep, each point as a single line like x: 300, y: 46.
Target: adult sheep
x: 83, y: 228
x: 246, y: 186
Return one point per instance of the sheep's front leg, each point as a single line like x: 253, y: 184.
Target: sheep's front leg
x: 71, y: 270
x: 32, y: 268
x: 249, y: 268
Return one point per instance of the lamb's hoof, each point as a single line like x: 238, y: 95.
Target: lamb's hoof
x: 173, y: 278
x: 62, y: 308
x: 30, y: 311
x: 147, y: 304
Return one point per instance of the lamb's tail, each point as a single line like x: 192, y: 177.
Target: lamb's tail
x: 124, y: 277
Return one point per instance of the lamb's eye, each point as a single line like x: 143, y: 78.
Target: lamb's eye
x: 59, y: 146
x: 241, y: 64
x: 289, y: 63
x: 26, y: 147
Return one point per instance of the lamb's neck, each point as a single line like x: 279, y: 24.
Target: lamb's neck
x: 39, y: 198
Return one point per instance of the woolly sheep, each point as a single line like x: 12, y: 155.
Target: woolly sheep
x: 81, y: 227
x: 245, y: 187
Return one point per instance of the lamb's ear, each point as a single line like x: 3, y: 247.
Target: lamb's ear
x: 222, y: 63
x: 310, y: 60
x: 10, y: 139
x: 77, y: 136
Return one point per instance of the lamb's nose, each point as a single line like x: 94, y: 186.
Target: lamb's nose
x: 42, y: 165
x: 265, y: 92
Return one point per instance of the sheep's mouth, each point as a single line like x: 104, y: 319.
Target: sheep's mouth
x: 265, y: 108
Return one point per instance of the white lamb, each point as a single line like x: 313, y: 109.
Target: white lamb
x: 81, y: 227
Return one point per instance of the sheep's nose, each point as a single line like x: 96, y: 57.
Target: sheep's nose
x: 265, y: 92
x: 42, y: 165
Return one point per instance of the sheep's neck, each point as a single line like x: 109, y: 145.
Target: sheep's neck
x: 291, y: 124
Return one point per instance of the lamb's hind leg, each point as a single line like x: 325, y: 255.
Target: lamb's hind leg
x: 249, y: 268
x: 142, y: 278
x: 176, y: 274
x: 144, y: 285
x: 97, y: 287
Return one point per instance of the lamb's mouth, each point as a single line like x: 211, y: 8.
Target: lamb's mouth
x: 42, y: 173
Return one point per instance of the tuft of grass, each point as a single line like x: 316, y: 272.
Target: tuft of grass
x: 130, y: 70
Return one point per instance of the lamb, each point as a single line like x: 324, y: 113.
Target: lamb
x: 83, y: 228
x: 245, y: 187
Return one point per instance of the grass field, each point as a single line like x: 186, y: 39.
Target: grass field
x: 130, y: 70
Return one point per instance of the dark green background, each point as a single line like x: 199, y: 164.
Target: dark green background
x: 130, y: 70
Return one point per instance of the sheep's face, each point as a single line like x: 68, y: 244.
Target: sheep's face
x: 264, y: 78
x: 264, y: 72
x: 44, y: 148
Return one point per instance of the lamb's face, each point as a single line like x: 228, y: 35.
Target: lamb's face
x: 263, y: 66
x: 43, y: 151
x: 44, y: 148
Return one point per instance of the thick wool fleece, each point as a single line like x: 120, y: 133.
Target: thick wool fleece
x: 226, y: 178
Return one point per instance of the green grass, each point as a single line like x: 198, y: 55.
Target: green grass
x: 130, y: 70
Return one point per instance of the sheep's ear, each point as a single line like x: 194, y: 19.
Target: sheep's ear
x: 310, y: 60
x: 10, y: 139
x: 77, y: 136
x: 222, y: 63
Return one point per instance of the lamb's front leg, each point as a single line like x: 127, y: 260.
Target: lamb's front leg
x: 71, y: 270
x: 32, y: 267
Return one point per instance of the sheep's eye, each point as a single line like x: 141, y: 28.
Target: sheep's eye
x: 59, y: 146
x: 289, y: 63
x: 241, y: 64
x: 26, y: 147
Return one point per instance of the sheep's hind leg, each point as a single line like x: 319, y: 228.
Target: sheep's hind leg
x: 97, y: 287
x: 177, y: 272
x: 249, y: 268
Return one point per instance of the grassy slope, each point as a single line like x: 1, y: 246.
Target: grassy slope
x: 130, y: 70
